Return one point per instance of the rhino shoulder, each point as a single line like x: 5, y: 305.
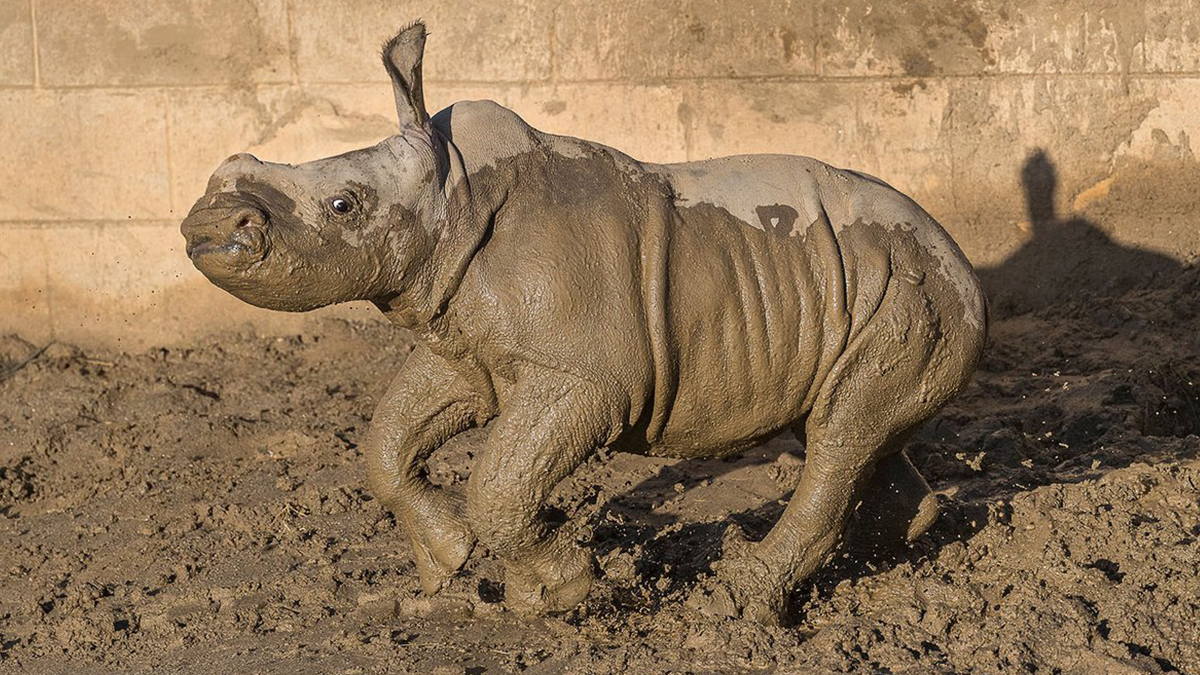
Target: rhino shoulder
x: 478, y: 116
x: 484, y: 132
x: 487, y: 133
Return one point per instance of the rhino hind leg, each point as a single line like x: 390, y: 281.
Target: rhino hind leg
x: 546, y: 430
x: 897, y: 508
x: 892, y: 377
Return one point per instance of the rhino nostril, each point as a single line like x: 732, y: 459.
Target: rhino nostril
x: 251, y: 217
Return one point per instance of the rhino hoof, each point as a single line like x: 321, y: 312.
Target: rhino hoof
x: 744, y: 586
x: 527, y: 594
x: 438, y: 563
x: 719, y: 599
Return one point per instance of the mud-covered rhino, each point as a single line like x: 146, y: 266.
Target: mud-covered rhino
x: 574, y: 298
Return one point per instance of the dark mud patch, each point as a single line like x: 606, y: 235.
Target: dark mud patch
x: 204, y: 510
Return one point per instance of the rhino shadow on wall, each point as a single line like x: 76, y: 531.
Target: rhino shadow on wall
x: 1065, y: 257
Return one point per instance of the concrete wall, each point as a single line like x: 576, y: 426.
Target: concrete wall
x: 1051, y: 138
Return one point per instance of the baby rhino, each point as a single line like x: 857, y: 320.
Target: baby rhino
x: 573, y: 298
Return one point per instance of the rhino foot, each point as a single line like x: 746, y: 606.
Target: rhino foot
x: 436, y: 566
x: 553, y: 588
x: 744, y: 586
x: 926, y: 516
x: 440, y: 551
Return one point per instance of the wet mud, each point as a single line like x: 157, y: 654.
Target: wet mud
x: 204, y: 509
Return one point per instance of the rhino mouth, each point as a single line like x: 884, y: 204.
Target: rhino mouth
x: 249, y: 242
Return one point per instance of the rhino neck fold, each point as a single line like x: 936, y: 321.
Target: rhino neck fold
x: 465, y: 210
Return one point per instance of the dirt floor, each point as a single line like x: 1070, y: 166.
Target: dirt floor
x: 204, y: 510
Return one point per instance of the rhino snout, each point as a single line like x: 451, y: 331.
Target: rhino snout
x: 236, y: 230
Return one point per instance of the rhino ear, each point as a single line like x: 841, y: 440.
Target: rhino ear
x: 402, y: 57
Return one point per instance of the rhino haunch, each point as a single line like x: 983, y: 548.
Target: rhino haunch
x: 575, y: 298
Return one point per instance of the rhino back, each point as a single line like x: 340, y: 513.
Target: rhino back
x: 786, y: 194
x: 708, y: 299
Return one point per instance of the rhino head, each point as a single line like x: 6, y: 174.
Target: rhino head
x: 357, y: 226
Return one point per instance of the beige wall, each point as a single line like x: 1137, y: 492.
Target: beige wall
x: 113, y: 112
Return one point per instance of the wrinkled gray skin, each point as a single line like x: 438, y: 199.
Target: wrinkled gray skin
x: 573, y: 299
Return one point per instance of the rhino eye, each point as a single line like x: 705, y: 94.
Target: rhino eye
x: 341, y: 205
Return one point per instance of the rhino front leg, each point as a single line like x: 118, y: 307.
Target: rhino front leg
x: 545, y: 431
x: 426, y: 405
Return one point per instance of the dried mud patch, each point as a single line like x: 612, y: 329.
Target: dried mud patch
x: 204, y: 510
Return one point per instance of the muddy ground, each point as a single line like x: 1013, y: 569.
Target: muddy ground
x: 204, y: 510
